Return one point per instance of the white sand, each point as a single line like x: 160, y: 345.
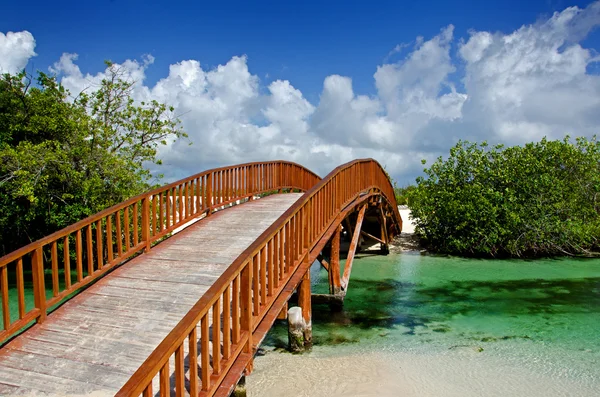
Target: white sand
x: 407, y: 225
x: 461, y: 374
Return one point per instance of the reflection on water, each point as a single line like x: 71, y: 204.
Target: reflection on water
x: 541, y: 316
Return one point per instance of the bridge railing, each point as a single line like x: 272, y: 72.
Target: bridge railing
x: 54, y: 267
x: 218, y: 331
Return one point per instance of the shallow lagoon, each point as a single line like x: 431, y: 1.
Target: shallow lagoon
x: 419, y: 325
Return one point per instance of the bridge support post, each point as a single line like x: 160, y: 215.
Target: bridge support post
x: 384, y: 234
x: 304, y: 302
x: 299, y: 318
x: 354, y: 245
x: 335, y: 287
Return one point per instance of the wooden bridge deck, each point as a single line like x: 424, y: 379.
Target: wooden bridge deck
x: 96, y: 341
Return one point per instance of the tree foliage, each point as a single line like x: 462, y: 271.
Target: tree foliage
x: 541, y: 199
x: 402, y: 193
x: 63, y: 159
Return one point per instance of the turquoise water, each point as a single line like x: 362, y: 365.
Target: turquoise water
x: 541, y: 316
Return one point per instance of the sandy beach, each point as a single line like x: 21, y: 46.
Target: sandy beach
x: 462, y: 373
x: 407, y: 225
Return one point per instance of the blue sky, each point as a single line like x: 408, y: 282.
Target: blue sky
x: 301, y: 41
x: 304, y: 43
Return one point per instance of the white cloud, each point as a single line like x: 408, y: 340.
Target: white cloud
x: 15, y: 50
x: 533, y: 82
x: 509, y: 87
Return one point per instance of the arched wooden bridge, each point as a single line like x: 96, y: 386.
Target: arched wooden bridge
x: 172, y: 291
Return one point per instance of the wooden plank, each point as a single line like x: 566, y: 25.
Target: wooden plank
x: 100, y: 354
x: 47, y: 383
x: 67, y: 369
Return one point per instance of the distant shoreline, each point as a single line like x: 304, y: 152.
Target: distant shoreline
x: 407, y: 240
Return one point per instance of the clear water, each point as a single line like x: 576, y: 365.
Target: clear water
x: 521, y: 325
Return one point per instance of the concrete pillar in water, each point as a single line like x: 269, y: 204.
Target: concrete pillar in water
x: 295, y: 329
x: 299, y: 318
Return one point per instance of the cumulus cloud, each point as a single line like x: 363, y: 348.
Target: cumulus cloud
x: 16, y: 48
x: 509, y: 87
x: 533, y: 82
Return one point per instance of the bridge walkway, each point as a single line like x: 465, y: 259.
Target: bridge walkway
x: 97, y: 340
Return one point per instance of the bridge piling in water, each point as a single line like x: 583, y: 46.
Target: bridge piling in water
x: 296, y: 327
x: 304, y: 301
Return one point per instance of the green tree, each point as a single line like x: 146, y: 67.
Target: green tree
x: 532, y: 200
x: 402, y: 193
x: 62, y: 160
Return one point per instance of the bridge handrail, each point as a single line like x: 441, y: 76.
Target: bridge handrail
x: 110, y: 237
x: 251, y: 284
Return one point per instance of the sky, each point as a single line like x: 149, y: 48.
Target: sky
x: 324, y: 82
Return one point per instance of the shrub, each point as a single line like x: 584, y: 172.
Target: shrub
x: 541, y: 199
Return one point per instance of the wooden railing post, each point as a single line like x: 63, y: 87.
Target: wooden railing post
x: 278, y: 175
x: 145, y: 223
x: 251, y: 182
x: 209, y: 192
x: 246, y: 310
x: 39, y: 288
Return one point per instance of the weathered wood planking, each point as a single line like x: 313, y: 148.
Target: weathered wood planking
x: 96, y: 341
